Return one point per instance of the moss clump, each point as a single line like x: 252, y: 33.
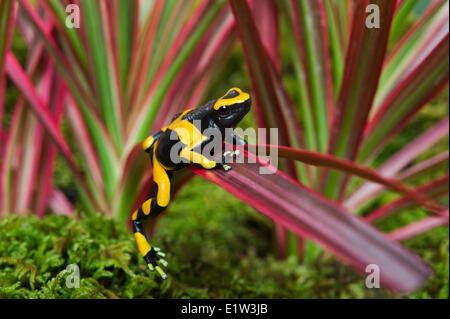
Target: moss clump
x: 214, y: 251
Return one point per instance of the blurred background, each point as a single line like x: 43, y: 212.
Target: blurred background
x: 77, y: 102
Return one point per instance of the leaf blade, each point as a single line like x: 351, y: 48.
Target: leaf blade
x: 419, y: 87
x: 399, y: 160
x: 308, y: 214
x: 363, y: 66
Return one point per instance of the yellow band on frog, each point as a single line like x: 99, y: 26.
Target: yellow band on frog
x: 142, y: 243
x: 147, y: 143
x: 147, y: 206
x: 240, y: 98
x: 161, y: 178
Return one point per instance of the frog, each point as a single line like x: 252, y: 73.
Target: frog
x: 180, y: 144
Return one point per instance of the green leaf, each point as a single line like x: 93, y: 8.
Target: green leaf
x: 100, y: 63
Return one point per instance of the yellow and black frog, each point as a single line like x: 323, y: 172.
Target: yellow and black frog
x: 179, y: 144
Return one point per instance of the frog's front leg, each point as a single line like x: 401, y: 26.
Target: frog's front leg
x: 154, y: 206
x: 206, y: 163
x: 233, y: 139
x: 197, y: 158
x: 228, y: 155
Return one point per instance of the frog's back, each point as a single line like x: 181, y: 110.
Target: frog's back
x: 194, y: 121
x: 201, y: 113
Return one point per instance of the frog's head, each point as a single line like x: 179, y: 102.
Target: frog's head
x: 232, y: 107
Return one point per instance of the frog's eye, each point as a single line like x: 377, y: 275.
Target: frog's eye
x: 224, y: 110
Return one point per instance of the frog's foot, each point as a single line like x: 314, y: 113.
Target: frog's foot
x: 228, y: 155
x: 231, y: 154
x: 153, y: 259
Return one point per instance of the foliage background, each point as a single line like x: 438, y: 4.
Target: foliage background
x: 215, y: 250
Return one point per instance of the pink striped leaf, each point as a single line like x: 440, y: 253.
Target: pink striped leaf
x: 144, y: 114
x: 307, y: 213
x: 11, y: 145
x: 266, y: 18
x: 420, y: 227
x: 311, y: 31
x: 43, y: 30
x: 32, y: 140
x: 398, y: 161
x: 45, y: 179
x: 434, y: 189
x: 426, y: 167
x: 56, y: 10
x: 410, y: 95
x: 97, y: 130
x: 21, y: 80
x: 59, y: 204
x: 142, y: 54
x: 23, y: 83
x: 269, y: 93
x: 272, y: 104
x: 412, y: 48
x: 7, y: 21
x: 86, y: 148
x: 329, y: 161
x: 362, y: 69
x: 211, y: 51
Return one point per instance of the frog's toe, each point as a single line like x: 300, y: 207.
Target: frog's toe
x: 161, y: 272
x: 163, y: 262
x: 228, y: 153
x: 154, y: 266
x: 154, y: 261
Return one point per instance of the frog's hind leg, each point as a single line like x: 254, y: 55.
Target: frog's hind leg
x: 154, y: 206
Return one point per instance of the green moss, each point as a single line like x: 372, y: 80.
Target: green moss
x: 216, y: 247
